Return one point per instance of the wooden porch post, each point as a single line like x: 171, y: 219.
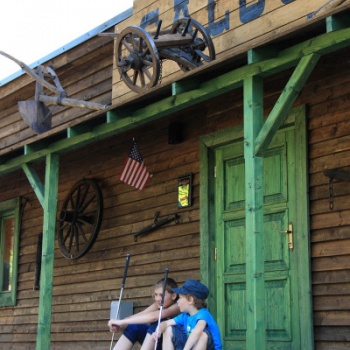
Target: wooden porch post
x: 48, y: 246
x: 254, y: 186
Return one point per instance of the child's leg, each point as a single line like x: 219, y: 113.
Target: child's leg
x: 123, y: 344
x: 133, y: 333
x: 168, y: 339
x: 205, y: 341
x: 174, y: 338
x: 148, y: 343
x: 202, y: 342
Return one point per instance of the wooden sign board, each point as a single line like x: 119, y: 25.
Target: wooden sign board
x: 235, y: 26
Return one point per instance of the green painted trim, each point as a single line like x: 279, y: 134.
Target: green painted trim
x: 207, y: 209
x: 12, y: 206
x: 285, y: 59
x: 181, y: 86
x: 303, y: 229
x: 204, y: 220
x: 48, y: 252
x: 337, y: 21
x: 254, y: 216
x: 262, y: 53
x: 78, y: 130
x: 35, y: 182
x: 285, y: 102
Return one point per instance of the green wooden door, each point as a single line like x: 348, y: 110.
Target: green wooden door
x: 287, y: 278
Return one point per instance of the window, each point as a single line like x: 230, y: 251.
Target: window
x: 9, y: 234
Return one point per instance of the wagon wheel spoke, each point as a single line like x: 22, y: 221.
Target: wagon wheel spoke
x: 68, y: 234
x: 85, y: 220
x: 135, y: 44
x: 65, y: 225
x: 86, y: 205
x: 201, y: 54
x: 127, y: 46
x: 142, y: 46
x: 142, y: 78
x: 147, y: 72
x: 76, y: 236
x: 194, y: 35
x: 82, y: 232
x: 71, y: 238
x: 136, y: 74
x: 82, y: 199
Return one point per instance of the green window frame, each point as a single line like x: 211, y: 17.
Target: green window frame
x: 9, y: 246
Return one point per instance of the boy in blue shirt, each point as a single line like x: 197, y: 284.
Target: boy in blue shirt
x: 195, y: 328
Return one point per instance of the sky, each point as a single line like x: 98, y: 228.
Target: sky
x: 33, y: 29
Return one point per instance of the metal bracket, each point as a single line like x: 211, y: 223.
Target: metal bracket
x: 337, y: 174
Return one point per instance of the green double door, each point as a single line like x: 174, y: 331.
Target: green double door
x: 286, y: 243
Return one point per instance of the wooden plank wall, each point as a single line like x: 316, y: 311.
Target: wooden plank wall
x: 83, y: 289
x: 329, y: 116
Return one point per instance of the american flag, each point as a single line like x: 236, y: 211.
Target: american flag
x: 134, y: 171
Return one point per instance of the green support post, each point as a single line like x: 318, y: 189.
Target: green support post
x: 254, y: 186
x: 48, y: 250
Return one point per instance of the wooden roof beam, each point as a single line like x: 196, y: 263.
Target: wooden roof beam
x: 180, y: 87
x: 285, y: 102
x: 35, y: 182
x: 337, y: 21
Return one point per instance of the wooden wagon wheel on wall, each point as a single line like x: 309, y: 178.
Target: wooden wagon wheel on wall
x: 80, y: 219
x: 137, y: 59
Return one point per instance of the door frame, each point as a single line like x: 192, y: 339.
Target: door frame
x: 208, y: 143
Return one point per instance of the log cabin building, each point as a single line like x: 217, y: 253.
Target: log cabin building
x: 258, y: 134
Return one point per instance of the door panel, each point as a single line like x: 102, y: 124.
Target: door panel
x: 281, y: 291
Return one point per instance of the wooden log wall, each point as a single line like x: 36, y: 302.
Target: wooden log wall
x: 329, y: 148
x: 84, y: 288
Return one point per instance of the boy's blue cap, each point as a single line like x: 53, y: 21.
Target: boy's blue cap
x: 194, y: 288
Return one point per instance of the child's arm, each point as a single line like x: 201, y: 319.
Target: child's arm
x: 149, y: 315
x: 195, y: 334
x: 169, y: 312
x: 116, y: 325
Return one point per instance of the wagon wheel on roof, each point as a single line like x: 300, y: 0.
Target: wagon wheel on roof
x: 80, y: 219
x: 202, y: 49
x: 137, y: 59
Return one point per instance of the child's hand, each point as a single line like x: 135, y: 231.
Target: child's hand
x: 114, y: 325
x: 156, y: 335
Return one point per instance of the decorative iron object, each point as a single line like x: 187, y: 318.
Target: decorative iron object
x: 80, y: 219
x: 338, y: 174
x: 156, y: 224
x: 139, y: 53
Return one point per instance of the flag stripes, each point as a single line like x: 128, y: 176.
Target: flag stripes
x: 134, y: 172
